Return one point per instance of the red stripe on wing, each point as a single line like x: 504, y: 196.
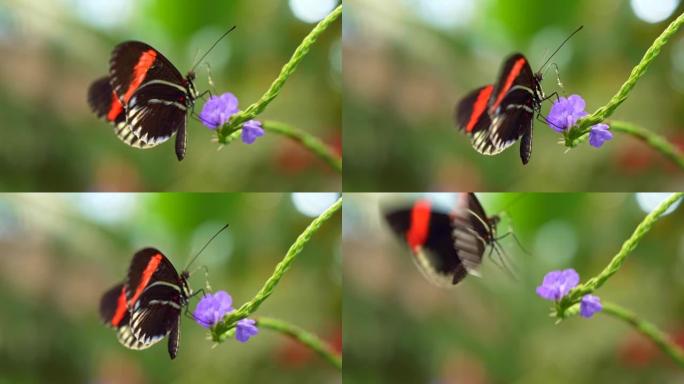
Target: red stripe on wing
x: 115, y: 109
x: 515, y: 71
x: 479, y: 107
x: 150, y: 269
x: 140, y: 71
x: 420, y: 224
x: 121, y: 308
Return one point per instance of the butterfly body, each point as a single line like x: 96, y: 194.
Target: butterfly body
x: 147, y: 306
x: 144, y: 96
x: 446, y: 247
x: 497, y: 115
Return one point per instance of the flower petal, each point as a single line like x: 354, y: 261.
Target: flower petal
x: 218, y: 110
x: 557, y: 284
x: 212, y: 308
x: 589, y: 305
x: 251, y: 130
x: 565, y: 112
x: 599, y: 134
x: 245, y: 329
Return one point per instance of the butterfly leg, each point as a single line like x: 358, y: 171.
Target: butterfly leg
x: 187, y: 307
x: 201, y: 95
x: 554, y: 94
x: 544, y: 120
x: 512, y: 234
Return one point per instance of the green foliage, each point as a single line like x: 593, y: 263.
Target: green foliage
x: 580, y: 131
x: 569, y: 305
x: 221, y: 331
x: 230, y: 131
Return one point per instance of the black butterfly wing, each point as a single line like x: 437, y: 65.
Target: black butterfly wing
x: 512, y: 106
x: 515, y: 80
x: 149, y: 266
x: 154, y: 93
x: 104, y: 102
x: 114, y: 312
x: 154, y: 113
x: 472, y: 231
x: 174, y: 338
x: 133, y: 62
x: 157, y: 315
x: 114, y: 308
x: 471, y: 112
x: 508, y: 114
x: 526, y: 144
x: 435, y: 255
x: 154, y: 292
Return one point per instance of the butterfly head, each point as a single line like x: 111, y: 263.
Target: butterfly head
x: 538, y: 91
x: 186, y: 290
x: 494, y: 221
x: 190, y: 86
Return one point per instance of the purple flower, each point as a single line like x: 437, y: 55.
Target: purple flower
x: 245, y: 329
x: 212, y: 308
x: 589, y: 305
x: 218, y: 110
x: 251, y: 130
x: 557, y: 284
x: 565, y: 112
x: 599, y: 134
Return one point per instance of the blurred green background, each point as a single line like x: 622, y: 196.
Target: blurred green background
x: 53, y: 49
x: 408, y: 62
x: 399, y: 328
x: 60, y: 252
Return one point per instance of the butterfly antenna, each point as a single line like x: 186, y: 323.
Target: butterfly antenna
x: 559, y: 47
x: 205, y: 245
x: 212, y: 47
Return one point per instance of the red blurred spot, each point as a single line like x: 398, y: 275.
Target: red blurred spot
x: 678, y: 141
x: 634, y: 158
x: 294, y: 354
x: 639, y: 351
x: 293, y: 158
x: 678, y: 338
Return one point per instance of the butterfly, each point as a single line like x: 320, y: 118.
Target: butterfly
x: 145, y: 97
x: 446, y: 247
x: 146, y: 307
x: 497, y: 115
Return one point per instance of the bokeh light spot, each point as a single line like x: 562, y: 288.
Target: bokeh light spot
x: 313, y: 204
x: 653, y: 11
x: 444, y: 14
x: 649, y: 201
x: 312, y: 11
x: 106, y: 208
x: 556, y: 242
x: 104, y: 14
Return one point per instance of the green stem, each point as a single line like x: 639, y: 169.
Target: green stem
x: 627, y: 247
x: 308, y: 339
x: 287, y: 70
x: 582, y: 127
x: 649, y: 330
x: 310, y: 142
x: 221, y: 330
x: 656, y: 141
